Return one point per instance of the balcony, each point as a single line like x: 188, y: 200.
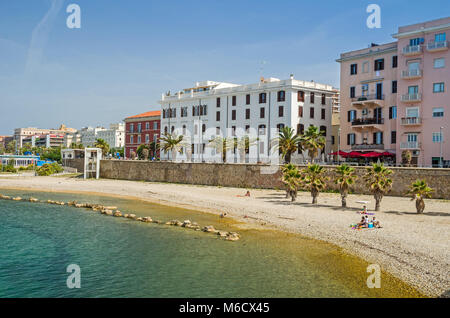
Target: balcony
x: 410, y: 145
x: 368, y: 100
x: 411, y: 98
x: 434, y: 46
x: 411, y: 50
x: 409, y: 121
x: 367, y: 146
x: 360, y: 123
x: 411, y: 74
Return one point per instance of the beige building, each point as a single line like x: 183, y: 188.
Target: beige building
x: 26, y: 133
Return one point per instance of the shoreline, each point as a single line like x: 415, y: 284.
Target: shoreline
x: 413, y: 248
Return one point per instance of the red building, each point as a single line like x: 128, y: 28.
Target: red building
x: 141, y: 129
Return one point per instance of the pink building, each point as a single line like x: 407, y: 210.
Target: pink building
x: 394, y: 96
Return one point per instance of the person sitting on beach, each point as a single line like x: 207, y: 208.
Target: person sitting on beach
x: 376, y: 223
x: 247, y: 194
x: 363, y: 223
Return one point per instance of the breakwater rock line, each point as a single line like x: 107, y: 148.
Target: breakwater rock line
x: 113, y: 211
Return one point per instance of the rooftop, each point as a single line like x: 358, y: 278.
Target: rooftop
x: 153, y: 113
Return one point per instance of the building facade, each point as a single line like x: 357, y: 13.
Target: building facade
x: 211, y: 109
x: 141, y: 129
x: 394, y: 96
x: 21, y: 133
x: 114, y: 136
x: 44, y: 141
x: 4, y: 140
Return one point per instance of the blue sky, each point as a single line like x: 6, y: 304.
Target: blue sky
x: 129, y: 52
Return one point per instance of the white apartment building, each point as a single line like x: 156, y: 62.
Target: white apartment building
x: 259, y: 110
x: 114, y: 136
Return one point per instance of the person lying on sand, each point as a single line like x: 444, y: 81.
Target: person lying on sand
x: 246, y: 194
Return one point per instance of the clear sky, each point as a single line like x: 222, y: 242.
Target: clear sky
x: 127, y: 53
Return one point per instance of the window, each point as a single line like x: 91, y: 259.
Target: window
x: 247, y: 99
x: 247, y: 128
x: 323, y: 130
x: 132, y: 138
x: 311, y: 112
x: 300, y: 129
x: 311, y: 98
x: 413, y: 90
x: 233, y: 114
x: 262, y: 112
x: 437, y: 137
x: 393, y: 137
x: 351, y: 115
x: 147, y: 138
x: 131, y: 127
x: 416, y: 41
x: 262, y: 98
x: 279, y: 127
x: 139, y: 127
x: 203, y: 128
x: 440, y: 37
x: 379, y: 65
x: 350, y: 139
x: 281, y: 96
x: 392, y: 112
x: 439, y: 63
x: 378, y: 138
x: 394, y: 87
x: 172, y: 129
x: 261, y: 129
x: 261, y: 148
x: 438, y: 112
x: 436, y: 161
x: 218, y: 101
x: 147, y: 126
x: 365, y: 89
x: 280, y: 111
x: 324, y: 99
x: 300, y: 96
x: 353, y: 69
x: 139, y: 139
x: 217, y: 116
x: 438, y: 87
x: 332, y: 140
x: 300, y: 111
x: 322, y: 114
x: 218, y: 131
x: 155, y: 125
x: 247, y: 113
x: 365, y: 67
x: 165, y: 130
x: 233, y: 130
x: 184, y: 129
x: 233, y: 100
x: 394, y: 61
x: 352, y: 92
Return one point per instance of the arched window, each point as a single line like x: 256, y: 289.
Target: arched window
x: 184, y: 129
x: 262, y: 98
x: 172, y: 129
x: 262, y: 129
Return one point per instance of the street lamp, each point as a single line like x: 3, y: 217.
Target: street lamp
x: 441, y: 161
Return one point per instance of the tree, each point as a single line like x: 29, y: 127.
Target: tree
x: 2, y: 150
x: 314, y: 180
x: 419, y: 191
x: 11, y: 147
x: 75, y: 145
x: 407, y: 157
x: 142, y: 152
x: 287, y: 142
x: 313, y: 140
x: 153, y: 147
x: 222, y: 145
x: 243, y: 145
x: 379, y: 182
x: 345, y: 178
x: 291, y: 177
x: 172, y: 143
x: 103, y: 145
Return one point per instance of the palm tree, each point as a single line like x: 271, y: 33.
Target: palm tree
x: 153, y: 147
x: 292, y: 179
x: 243, y: 145
x: 313, y: 140
x: 420, y: 190
x: 222, y: 145
x: 407, y: 157
x: 287, y: 143
x: 172, y: 143
x: 345, y: 178
x: 314, y: 179
x: 378, y: 181
x: 103, y: 145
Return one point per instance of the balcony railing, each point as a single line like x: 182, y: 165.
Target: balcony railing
x: 412, y: 49
x: 368, y: 97
x: 411, y: 74
x: 416, y: 97
x: 411, y: 121
x: 367, y: 146
x: 410, y: 145
x: 437, y: 46
x: 367, y: 121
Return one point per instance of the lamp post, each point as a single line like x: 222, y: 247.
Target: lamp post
x: 339, y: 145
x: 441, y: 161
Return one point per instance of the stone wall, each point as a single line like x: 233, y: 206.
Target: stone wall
x: 74, y: 163
x: 250, y: 176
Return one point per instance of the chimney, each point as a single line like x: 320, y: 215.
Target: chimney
x: 291, y: 76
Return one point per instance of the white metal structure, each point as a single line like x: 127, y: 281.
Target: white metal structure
x: 92, y: 157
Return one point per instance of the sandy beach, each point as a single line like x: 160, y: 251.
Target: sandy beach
x: 414, y: 248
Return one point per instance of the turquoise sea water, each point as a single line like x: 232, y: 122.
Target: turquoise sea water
x: 123, y: 258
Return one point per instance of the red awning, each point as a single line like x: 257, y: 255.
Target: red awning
x: 341, y: 153
x: 372, y: 154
